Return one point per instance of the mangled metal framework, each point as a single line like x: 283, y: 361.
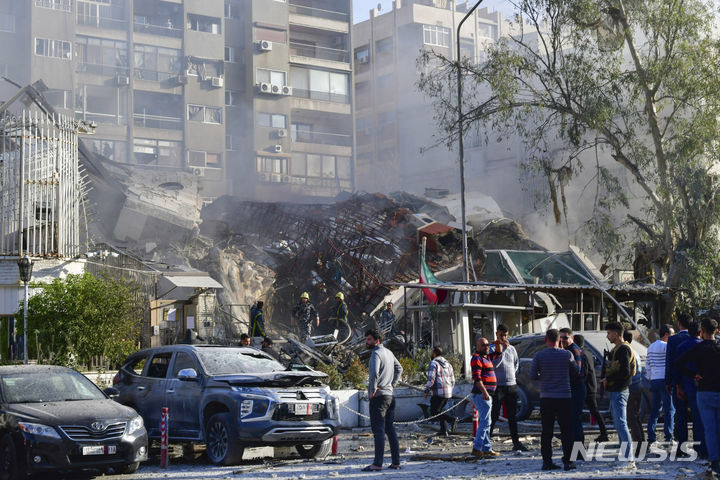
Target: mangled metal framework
x: 40, y: 185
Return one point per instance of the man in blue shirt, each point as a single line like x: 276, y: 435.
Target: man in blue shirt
x: 671, y: 374
x: 687, y: 390
x: 578, y: 389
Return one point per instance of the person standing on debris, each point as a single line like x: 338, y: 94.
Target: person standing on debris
x: 706, y: 357
x: 257, y: 320
x: 506, y: 363
x: 441, y: 382
x: 618, y: 377
x: 555, y: 367
x: 305, y: 314
x: 656, y: 372
x: 681, y: 407
x: 687, y: 389
x: 384, y: 373
x: 484, y: 384
x: 591, y: 388
x: 578, y: 390
x: 387, y: 320
x: 341, y: 312
x: 635, y: 397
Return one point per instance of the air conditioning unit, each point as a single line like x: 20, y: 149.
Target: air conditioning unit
x: 265, y: 46
x: 198, y: 172
x: 181, y: 79
x: 217, y: 82
x: 363, y: 60
x: 264, y: 87
x: 286, y: 90
x: 122, y: 80
x: 277, y: 148
x: 156, y: 330
x: 282, y: 133
x: 276, y: 89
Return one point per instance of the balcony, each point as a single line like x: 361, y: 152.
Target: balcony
x: 318, y: 13
x: 102, y: 22
x: 322, y: 138
x: 105, y: 70
x: 154, y: 75
x: 324, y: 96
x: 163, y: 30
x: 321, y: 53
x: 157, y: 121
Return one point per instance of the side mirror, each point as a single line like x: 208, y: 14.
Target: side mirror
x: 187, y: 375
x: 111, y: 392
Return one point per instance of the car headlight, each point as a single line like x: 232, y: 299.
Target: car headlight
x: 38, y: 430
x: 134, y: 425
x: 256, y: 406
x: 332, y: 407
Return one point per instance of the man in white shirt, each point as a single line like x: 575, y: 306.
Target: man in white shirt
x: 656, y: 373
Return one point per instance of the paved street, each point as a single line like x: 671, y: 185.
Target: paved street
x: 355, y: 452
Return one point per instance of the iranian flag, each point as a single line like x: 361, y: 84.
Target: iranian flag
x: 434, y: 296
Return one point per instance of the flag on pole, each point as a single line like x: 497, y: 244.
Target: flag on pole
x: 434, y: 296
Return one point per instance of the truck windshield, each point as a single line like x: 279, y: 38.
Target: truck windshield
x: 222, y: 361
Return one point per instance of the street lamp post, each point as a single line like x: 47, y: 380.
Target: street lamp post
x: 25, y: 266
x: 466, y: 264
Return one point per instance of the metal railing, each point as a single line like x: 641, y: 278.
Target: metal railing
x: 109, y: 70
x: 157, y: 121
x: 97, y: 117
x: 322, y: 138
x: 102, y: 22
x: 318, y: 13
x: 314, y: 51
x: 326, y: 96
x: 161, y: 30
x: 154, y: 75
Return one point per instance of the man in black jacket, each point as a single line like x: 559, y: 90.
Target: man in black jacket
x: 591, y: 385
x: 618, y: 377
x: 671, y: 374
x: 706, y: 357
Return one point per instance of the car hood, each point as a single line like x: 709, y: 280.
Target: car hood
x: 79, y: 412
x: 283, y: 378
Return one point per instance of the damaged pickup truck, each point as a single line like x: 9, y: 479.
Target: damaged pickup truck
x: 229, y: 398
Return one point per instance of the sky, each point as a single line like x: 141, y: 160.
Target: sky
x: 362, y: 7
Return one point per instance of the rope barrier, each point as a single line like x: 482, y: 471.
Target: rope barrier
x: 422, y: 420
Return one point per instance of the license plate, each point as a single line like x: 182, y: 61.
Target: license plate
x: 303, y: 409
x: 99, y: 450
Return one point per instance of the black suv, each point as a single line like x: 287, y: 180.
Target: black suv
x: 55, y: 419
x: 529, y: 344
x: 229, y: 398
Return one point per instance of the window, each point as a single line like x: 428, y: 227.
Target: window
x: 136, y: 365
x: 156, y: 63
x: 101, y: 56
x: 233, y: 142
x: 362, y: 95
x: 57, y: 98
x: 301, y: 132
x: 327, y: 167
x: 197, y: 158
x: 271, y: 76
x: 110, y: 149
x: 102, y: 13
x: 204, y: 114
x: 274, y: 120
x: 53, y: 48
x: 384, y: 45
x: 201, y: 23
x: 158, y: 110
x: 320, y: 85
x: 234, y: 54
x: 233, y: 98
x: 157, y: 152
x: 363, y: 123
x: 233, y: 9
x: 486, y: 30
x: 362, y: 55
x: 204, y: 68
x: 7, y: 23
x: 436, y: 35
x: 183, y: 360
x: 272, y: 165
x: 271, y: 33
x: 159, y: 365
x: 101, y: 104
x: 62, y: 5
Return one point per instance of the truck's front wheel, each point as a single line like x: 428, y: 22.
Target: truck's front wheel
x: 221, y: 443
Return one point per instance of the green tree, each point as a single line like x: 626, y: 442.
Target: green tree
x: 74, y: 319
x: 630, y: 83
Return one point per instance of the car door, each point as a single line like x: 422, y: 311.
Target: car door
x: 151, y: 392
x: 183, y: 398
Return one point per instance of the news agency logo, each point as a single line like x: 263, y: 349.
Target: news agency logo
x: 656, y: 452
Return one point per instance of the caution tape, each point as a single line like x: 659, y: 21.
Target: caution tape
x: 422, y: 420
